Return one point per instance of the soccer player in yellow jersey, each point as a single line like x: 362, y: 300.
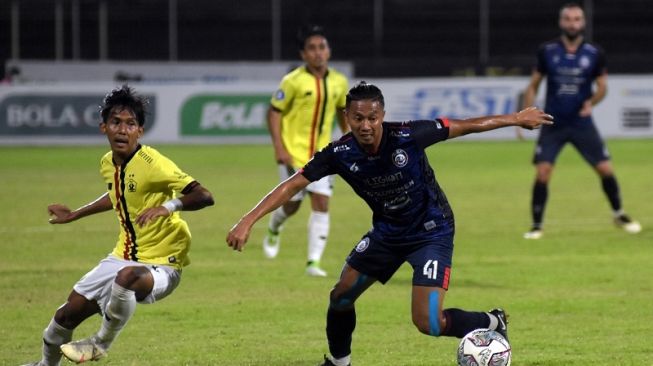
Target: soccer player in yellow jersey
x: 153, y: 244
x: 300, y: 120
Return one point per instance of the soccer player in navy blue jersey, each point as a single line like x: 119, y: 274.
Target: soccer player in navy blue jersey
x: 571, y: 66
x: 386, y: 165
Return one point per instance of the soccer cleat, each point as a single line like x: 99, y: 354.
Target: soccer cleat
x: 83, y: 350
x: 313, y: 269
x: 502, y: 327
x: 328, y: 362
x: 38, y: 363
x: 625, y: 222
x: 533, y: 234
x: 271, y: 244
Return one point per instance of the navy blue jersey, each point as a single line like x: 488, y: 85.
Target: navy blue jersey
x: 397, y: 183
x: 569, y: 78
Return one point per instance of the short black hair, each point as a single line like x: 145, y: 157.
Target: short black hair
x: 124, y: 97
x: 308, y: 31
x: 364, y: 91
x: 570, y: 5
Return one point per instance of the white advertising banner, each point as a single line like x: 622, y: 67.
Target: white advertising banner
x: 625, y: 112
x: 235, y: 112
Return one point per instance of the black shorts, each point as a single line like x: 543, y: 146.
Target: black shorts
x: 584, y: 137
x: 430, y: 259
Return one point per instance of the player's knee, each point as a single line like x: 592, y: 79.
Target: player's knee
x: 320, y: 203
x: 127, y: 276
x: 428, y: 326
x: 543, y: 174
x: 422, y: 325
x: 291, y: 207
x: 340, y: 301
x: 61, y: 317
x: 66, y: 317
x: 604, y: 169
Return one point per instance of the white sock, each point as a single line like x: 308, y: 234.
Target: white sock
x: 494, y: 321
x: 54, y: 336
x: 120, y: 309
x: 318, y: 230
x: 344, y: 361
x: 618, y: 213
x: 277, y: 219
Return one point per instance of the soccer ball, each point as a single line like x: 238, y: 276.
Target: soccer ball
x: 484, y: 347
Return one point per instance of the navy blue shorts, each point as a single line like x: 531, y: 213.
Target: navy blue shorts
x: 584, y: 137
x: 431, y: 260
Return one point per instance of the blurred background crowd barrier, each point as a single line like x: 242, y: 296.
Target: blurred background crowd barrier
x: 210, y: 66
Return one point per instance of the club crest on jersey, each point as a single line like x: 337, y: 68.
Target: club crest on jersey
x: 363, y: 244
x: 399, y: 158
x: 132, y: 185
x: 279, y: 95
x: 584, y: 62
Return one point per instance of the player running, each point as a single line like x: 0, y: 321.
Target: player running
x: 386, y: 165
x: 145, y: 266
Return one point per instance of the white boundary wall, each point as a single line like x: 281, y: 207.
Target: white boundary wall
x: 234, y: 112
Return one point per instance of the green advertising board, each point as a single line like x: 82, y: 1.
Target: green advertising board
x: 225, y: 115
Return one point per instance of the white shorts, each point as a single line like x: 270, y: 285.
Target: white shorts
x: 323, y: 186
x: 96, y: 284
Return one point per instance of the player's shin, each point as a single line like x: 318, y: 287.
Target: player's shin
x: 538, y: 203
x: 340, y: 326
x: 277, y: 219
x: 54, y: 336
x: 611, y: 189
x: 318, y: 230
x: 434, y: 316
x: 119, y: 310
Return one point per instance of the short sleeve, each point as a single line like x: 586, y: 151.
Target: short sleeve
x: 429, y: 132
x: 165, y: 172
x: 283, y: 97
x: 320, y: 165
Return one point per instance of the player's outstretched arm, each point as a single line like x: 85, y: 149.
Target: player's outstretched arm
x: 63, y: 215
x: 529, y: 118
x: 239, y: 233
x: 529, y: 95
x: 195, y: 199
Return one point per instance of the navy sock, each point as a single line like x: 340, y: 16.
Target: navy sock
x: 540, y: 195
x: 611, y: 189
x: 340, y: 326
x: 461, y: 322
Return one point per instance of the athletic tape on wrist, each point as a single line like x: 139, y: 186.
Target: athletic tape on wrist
x: 173, y: 205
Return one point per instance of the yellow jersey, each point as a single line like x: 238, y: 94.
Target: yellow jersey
x: 308, y: 106
x: 147, y: 179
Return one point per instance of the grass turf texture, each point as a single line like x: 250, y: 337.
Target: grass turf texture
x: 581, y: 295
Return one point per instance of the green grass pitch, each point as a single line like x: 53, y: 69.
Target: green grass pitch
x: 582, y: 295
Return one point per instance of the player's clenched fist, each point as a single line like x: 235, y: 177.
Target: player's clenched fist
x: 238, y: 235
